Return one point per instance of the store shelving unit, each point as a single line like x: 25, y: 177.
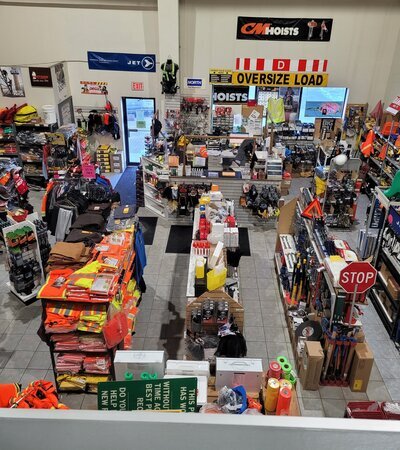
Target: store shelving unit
x: 382, y: 171
x: 54, y: 353
x: 23, y: 255
x: 340, y: 199
x: 32, y: 155
x: 332, y: 300
x: 153, y: 173
x: 8, y: 144
x: 385, y: 295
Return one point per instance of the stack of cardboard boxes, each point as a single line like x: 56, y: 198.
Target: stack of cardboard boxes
x: 116, y: 162
x: 109, y: 160
x: 103, y: 157
x: 313, y: 361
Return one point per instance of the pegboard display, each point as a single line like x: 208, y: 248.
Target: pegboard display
x: 222, y: 118
x: 195, y: 115
x: 172, y: 112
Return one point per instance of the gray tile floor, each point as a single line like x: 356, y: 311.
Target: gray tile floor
x: 23, y: 357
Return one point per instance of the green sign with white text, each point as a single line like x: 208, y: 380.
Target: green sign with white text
x: 180, y: 393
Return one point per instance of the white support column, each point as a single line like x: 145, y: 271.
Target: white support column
x: 168, y: 30
x: 168, y: 35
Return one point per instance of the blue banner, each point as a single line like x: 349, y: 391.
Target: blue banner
x: 126, y: 62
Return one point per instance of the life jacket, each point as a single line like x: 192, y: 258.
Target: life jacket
x: 40, y: 394
x: 7, y: 392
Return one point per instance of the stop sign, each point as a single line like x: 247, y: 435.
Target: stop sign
x: 357, y: 274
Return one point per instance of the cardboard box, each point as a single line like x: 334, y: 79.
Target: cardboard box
x: 360, y: 337
x: 311, y: 365
x: 385, y: 272
x: 393, y: 288
x: 361, y: 368
x: 116, y: 157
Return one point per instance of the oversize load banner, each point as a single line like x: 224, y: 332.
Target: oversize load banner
x: 277, y: 79
x: 284, y: 29
x: 175, y: 394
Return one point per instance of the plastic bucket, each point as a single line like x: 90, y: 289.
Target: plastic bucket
x: 49, y: 114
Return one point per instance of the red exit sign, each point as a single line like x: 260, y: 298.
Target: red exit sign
x: 137, y: 86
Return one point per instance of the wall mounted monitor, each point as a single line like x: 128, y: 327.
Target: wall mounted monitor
x: 322, y: 102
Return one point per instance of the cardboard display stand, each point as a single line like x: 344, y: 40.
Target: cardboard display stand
x: 33, y: 250
x: 235, y: 309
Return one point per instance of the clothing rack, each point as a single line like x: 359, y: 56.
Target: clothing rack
x: 86, y: 110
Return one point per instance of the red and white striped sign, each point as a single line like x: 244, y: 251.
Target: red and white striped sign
x: 284, y: 65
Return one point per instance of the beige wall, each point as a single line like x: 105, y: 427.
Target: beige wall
x: 363, y: 54
x: 393, y: 84
x: 66, y: 34
x: 360, y: 52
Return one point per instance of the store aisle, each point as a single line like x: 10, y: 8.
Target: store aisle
x: 24, y: 358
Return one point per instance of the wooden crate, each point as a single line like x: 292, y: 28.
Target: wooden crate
x: 235, y: 309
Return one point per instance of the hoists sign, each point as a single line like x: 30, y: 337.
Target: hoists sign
x: 277, y: 79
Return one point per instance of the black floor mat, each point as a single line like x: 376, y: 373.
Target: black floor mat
x: 126, y: 186
x: 244, y: 242
x: 149, y: 228
x: 179, y: 239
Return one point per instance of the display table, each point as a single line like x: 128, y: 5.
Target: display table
x: 232, y: 188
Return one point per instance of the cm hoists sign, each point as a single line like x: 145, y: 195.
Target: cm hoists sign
x: 357, y: 277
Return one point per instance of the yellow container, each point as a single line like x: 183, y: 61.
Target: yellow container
x: 200, y: 265
x: 204, y: 200
x: 216, y: 280
x: 271, y: 395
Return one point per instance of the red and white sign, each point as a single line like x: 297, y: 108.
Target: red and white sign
x: 94, y: 87
x: 394, y: 107
x: 360, y: 275
x: 284, y: 65
x: 137, y: 86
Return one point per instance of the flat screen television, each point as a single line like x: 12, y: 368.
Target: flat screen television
x: 322, y: 102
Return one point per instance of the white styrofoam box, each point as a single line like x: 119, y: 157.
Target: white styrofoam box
x: 183, y: 367
x: 217, y: 233
x: 215, y: 256
x: 232, y: 372
x: 231, y: 237
x: 216, y: 196
x: 202, y: 385
x: 136, y: 362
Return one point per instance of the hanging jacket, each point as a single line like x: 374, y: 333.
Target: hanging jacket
x: 140, y: 251
x: 276, y: 110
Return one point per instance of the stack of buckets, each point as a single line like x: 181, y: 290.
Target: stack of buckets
x: 280, y: 382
